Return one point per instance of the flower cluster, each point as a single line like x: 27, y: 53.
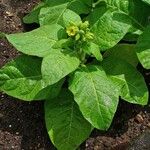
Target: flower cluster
x: 80, y: 32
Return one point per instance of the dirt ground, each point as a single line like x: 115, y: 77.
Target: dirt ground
x: 22, y: 125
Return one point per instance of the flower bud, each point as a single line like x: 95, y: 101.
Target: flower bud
x: 84, y: 25
x: 77, y: 37
x: 81, y: 32
x: 89, y: 36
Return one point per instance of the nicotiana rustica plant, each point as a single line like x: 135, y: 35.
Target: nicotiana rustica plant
x: 79, y: 62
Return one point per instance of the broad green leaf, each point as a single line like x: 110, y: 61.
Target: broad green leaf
x: 139, y: 14
x: 53, y: 14
x: 64, y: 44
x: 136, y: 10
x: 38, y: 42
x: 58, y: 64
x: 58, y: 15
x: 66, y: 126
x: 88, y: 2
x: 130, y: 82
x: 125, y: 52
x: 78, y: 6
x: 109, y: 26
x: 70, y: 17
x: 96, y: 95
x: 21, y: 78
x: 146, y: 1
x: 143, y: 48
x: 132, y: 35
x: 92, y: 48
x: 32, y: 17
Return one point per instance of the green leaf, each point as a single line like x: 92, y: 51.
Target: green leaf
x: 96, y: 95
x: 109, y: 26
x: 125, y: 52
x: 64, y: 43
x: 88, y: 2
x: 143, y: 48
x: 92, y: 48
x: 136, y: 10
x: 146, y: 1
x: 32, y: 17
x: 53, y: 14
x: 112, y: 22
x: 65, y: 124
x: 132, y: 35
x: 78, y: 6
x: 129, y: 81
x: 70, y: 17
x: 58, y: 64
x: 21, y: 78
x: 140, y: 14
x: 38, y: 42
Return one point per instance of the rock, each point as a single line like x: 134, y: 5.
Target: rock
x: 9, y: 14
x: 139, y: 118
x: 148, y: 125
x: 1, y: 115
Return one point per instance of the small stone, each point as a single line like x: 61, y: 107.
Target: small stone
x: 1, y: 115
x: 139, y: 118
x: 9, y: 14
x: 17, y: 133
x: 148, y: 73
x: 148, y: 125
x: 2, y: 44
x: 96, y: 148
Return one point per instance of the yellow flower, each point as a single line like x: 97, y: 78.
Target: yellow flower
x: 72, y: 30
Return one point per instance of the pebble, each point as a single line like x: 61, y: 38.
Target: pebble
x: 1, y: 115
x: 139, y: 118
x: 2, y: 44
x: 17, y: 133
x: 9, y: 14
x: 148, y: 125
x: 96, y: 148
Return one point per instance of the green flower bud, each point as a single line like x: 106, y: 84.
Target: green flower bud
x: 72, y: 30
x: 89, y: 36
x: 84, y: 39
x: 84, y: 25
x: 81, y: 32
x: 77, y: 37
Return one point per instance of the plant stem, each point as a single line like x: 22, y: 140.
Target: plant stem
x: 96, y: 3
x: 2, y: 35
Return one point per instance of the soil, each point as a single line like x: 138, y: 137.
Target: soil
x: 22, y: 125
